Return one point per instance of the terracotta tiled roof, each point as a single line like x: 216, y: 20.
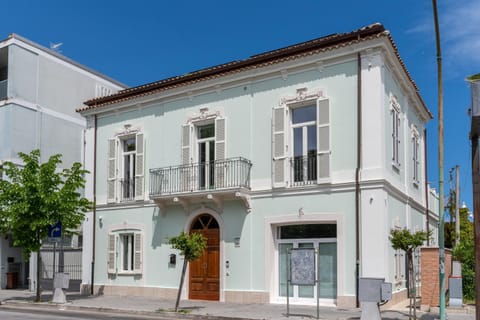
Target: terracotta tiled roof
x: 293, y: 52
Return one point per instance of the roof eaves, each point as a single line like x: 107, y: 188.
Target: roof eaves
x: 279, y: 55
x: 400, y: 60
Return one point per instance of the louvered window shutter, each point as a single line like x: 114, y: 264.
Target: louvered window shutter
x: 112, y: 170
x: 137, y: 262
x: 186, y: 172
x: 186, y: 143
x: 140, y: 167
x: 279, y: 146
x: 323, y: 140
x: 220, y: 149
x: 112, y: 253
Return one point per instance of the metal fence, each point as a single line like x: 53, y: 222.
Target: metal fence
x: 66, y: 260
x: 73, y: 270
x: 213, y: 175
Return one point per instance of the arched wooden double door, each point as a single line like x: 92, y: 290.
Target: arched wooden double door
x: 205, y: 271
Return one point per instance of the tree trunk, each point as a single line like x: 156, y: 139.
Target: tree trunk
x: 37, y: 297
x: 412, y: 284
x: 184, y: 270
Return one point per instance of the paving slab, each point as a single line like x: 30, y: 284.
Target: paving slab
x: 193, y: 309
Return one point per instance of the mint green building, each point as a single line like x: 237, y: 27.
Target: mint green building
x: 316, y: 145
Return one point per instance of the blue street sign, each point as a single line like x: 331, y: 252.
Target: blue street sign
x: 55, y: 232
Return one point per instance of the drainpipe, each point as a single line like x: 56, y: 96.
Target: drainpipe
x: 427, y: 215
x: 94, y: 203
x: 357, y: 174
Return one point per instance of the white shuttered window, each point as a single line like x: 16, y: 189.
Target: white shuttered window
x: 279, y: 146
x: 125, y: 252
x: 126, y: 168
x: 323, y: 140
x: 301, y: 143
x: 112, y: 170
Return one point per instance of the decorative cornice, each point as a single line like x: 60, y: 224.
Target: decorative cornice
x: 302, y: 95
x: 127, y: 130
x: 204, y: 114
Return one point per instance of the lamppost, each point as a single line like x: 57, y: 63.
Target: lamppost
x: 441, y: 222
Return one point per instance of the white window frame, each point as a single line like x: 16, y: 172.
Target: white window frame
x: 295, y: 242
x: 115, y: 257
x: 395, y: 111
x: 190, y: 143
x: 206, y: 169
x: 132, y: 155
x: 126, y: 244
x: 115, y: 166
x: 304, y: 126
x: 282, y: 136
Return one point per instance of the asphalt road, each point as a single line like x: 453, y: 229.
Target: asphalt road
x: 28, y: 314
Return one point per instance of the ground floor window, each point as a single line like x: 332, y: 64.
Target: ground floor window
x: 322, y: 237
x: 125, y: 251
x: 126, y: 242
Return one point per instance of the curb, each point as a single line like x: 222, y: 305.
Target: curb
x: 13, y: 304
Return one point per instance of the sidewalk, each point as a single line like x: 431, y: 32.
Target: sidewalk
x: 206, y: 309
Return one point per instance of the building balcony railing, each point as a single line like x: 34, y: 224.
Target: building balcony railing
x: 3, y: 89
x: 232, y: 173
x: 127, y: 189
x: 303, y: 170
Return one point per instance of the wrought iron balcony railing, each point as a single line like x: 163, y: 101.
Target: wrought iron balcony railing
x: 214, y: 175
x: 303, y: 170
x: 127, y: 189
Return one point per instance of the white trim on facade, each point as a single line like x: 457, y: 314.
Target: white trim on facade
x: 191, y: 217
x: 35, y: 107
x: 271, y: 254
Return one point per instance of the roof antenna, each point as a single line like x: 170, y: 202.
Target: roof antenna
x: 56, y: 46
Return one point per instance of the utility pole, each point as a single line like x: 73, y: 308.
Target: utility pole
x: 457, y: 204
x: 441, y: 201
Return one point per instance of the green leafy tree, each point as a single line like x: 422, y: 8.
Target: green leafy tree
x: 408, y: 242
x: 464, y: 252
x: 191, y: 247
x: 37, y: 195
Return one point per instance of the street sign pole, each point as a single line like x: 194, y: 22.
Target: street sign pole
x: 54, y: 258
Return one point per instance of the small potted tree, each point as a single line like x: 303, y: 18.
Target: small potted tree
x: 191, y: 247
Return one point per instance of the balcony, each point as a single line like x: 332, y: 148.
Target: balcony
x: 127, y: 189
x: 213, y: 181
x: 303, y: 170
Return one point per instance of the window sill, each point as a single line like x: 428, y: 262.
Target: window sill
x: 126, y: 273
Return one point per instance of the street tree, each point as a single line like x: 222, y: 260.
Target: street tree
x: 464, y: 252
x: 191, y: 247
x: 408, y: 242
x: 37, y: 195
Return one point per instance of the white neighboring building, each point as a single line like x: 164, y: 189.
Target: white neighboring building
x: 39, y: 90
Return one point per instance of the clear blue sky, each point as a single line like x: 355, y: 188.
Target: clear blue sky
x: 137, y: 42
